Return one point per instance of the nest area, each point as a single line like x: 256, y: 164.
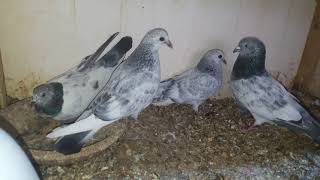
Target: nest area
x: 21, y: 120
x: 176, y: 142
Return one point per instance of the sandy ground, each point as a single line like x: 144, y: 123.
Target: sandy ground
x: 175, y: 142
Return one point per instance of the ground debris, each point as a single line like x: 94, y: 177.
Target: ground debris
x: 175, y: 142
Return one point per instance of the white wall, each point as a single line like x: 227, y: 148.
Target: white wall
x: 40, y: 39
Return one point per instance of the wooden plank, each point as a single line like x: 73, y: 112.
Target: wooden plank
x: 3, y: 91
x: 307, y: 79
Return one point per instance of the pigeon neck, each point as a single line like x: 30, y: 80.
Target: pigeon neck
x: 248, y: 66
x: 212, y: 68
x: 149, y: 46
x: 145, y: 57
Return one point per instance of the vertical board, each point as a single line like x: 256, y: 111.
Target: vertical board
x: 3, y: 91
x: 308, y: 76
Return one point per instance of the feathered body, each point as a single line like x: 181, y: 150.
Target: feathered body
x: 266, y: 99
x: 130, y: 89
x: 195, y: 85
x: 68, y: 95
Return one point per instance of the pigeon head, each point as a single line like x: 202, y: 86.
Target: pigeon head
x: 215, y: 55
x: 251, y: 47
x: 212, y: 60
x: 156, y: 38
x: 48, y: 98
x: 251, y: 59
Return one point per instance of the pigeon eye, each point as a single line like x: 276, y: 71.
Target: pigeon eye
x: 246, y: 45
x: 43, y: 94
x: 161, y: 38
x: 220, y: 56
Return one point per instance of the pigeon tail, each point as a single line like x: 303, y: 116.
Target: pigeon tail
x: 162, y: 99
x: 124, y: 45
x: 91, y: 59
x: 71, y: 144
x: 74, y: 136
x: 308, y: 125
x: 111, y: 58
x: 88, y: 124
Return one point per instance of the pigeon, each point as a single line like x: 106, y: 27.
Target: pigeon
x: 66, y: 96
x: 130, y: 89
x: 265, y: 98
x: 195, y: 85
x: 14, y: 164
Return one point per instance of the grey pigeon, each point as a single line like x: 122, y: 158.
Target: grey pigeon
x: 266, y: 99
x: 130, y: 89
x: 195, y: 85
x: 66, y: 96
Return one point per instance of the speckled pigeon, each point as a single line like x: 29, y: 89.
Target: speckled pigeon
x: 266, y: 99
x: 130, y: 89
x: 195, y: 85
x: 66, y: 96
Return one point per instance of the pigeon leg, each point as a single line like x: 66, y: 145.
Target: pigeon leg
x: 249, y: 128
x: 135, y: 116
x: 258, y: 121
x: 195, y: 106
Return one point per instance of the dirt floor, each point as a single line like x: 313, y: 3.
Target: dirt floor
x: 175, y: 142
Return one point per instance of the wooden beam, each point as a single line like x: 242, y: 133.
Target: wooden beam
x: 307, y: 79
x: 3, y: 91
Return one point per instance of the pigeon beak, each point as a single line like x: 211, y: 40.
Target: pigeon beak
x: 169, y: 44
x: 224, y: 61
x: 237, y: 49
x: 32, y: 104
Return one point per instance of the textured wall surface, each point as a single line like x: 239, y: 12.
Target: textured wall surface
x: 41, y: 39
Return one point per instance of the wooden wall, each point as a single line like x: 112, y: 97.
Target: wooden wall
x: 308, y: 76
x: 41, y: 39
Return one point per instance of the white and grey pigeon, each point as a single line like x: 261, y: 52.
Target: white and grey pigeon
x: 266, y: 99
x: 66, y: 96
x: 130, y: 89
x: 14, y: 164
x: 195, y: 85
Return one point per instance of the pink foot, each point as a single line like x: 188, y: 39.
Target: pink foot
x: 249, y: 129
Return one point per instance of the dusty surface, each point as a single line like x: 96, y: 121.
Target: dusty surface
x: 23, y: 123
x: 175, y: 142
x: 34, y: 128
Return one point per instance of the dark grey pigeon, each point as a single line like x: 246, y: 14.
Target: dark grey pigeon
x: 266, y: 99
x: 195, y: 85
x: 66, y: 96
x: 130, y: 89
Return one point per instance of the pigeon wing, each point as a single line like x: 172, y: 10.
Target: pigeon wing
x: 197, y: 86
x: 266, y: 98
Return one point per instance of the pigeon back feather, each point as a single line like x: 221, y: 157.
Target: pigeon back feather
x: 308, y: 125
x: 161, y: 98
